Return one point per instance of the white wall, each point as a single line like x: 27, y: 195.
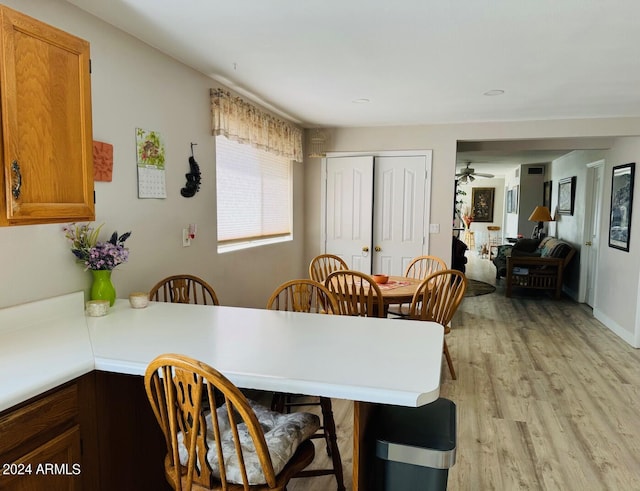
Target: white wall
x: 135, y: 86
x: 619, y: 271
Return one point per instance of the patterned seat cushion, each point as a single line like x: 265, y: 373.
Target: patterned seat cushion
x: 283, y: 434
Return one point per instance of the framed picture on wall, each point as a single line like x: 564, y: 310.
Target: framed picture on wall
x: 546, y: 194
x: 621, y: 205
x: 482, y: 203
x: 566, y: 195
x: 509, y: 200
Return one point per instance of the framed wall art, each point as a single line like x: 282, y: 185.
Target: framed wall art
x: 546, y: 194
x: 621, y: 205
x: 509, y: 200
x: 566, y: 195
x: 482, y: 202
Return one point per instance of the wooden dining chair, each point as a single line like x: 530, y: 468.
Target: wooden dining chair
x: 357, y: 293
x: 419, y: 268
x: 184, y: 288
x: 324, y: 264
x: 437, y: 298
x: 233, y: 445
x: 310, y: 296
x: 303, y: 296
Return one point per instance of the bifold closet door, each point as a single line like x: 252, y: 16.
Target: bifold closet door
x: 398, y: 212
x: 349, y: 210
x: 375, y: 211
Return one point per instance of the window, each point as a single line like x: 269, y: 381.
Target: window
x: 254, y: 195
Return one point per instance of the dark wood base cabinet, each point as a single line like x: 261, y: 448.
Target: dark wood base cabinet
x: 96, y: 433
x: 49, y: 442
x: 132, y: 447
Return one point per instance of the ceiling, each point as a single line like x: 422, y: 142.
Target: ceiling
x: 414, y: 61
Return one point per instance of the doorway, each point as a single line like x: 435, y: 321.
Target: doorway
x: 593, y: 216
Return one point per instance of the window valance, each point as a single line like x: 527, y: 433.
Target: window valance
x: 241, y: 121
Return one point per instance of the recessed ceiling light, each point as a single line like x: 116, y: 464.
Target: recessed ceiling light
x: 361, y: 101
x: 494, y: 92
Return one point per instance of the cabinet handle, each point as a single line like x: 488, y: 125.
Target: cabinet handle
x: 15, y: 167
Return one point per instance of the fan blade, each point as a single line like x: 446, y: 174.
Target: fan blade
x: 478, y: 174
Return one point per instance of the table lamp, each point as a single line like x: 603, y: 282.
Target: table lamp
x: 540, y: 214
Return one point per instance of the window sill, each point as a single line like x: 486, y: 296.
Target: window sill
x: 238, y: 246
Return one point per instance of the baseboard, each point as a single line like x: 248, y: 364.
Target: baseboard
x: 616, y: 328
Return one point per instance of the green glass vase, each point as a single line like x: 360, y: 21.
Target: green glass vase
x: 102, y: 288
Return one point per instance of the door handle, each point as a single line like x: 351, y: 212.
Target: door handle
x: 377, y: 248
x: 15, y: 189
x: 588, y: 243
x: 365, y: 249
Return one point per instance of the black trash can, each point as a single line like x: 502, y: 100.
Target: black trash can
x: 415, y: 446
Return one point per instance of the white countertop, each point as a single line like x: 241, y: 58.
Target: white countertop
x: 356, y: 358
x: 42, y: 345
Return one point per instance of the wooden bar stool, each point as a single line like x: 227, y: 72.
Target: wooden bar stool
x: 310, y: 296
x: 469, y: 239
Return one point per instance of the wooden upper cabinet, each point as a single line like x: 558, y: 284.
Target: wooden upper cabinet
x: 46, y: 140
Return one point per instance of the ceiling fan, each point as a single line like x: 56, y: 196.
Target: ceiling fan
x: 468, y: 174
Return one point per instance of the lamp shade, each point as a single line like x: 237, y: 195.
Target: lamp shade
x: 541, y: 214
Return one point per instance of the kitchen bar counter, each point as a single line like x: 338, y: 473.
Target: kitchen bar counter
x: 367, y: 360
x: 356, y: 358
x: 46, y: 343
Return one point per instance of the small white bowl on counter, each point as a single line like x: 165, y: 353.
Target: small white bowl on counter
x: 139, y: 300
x: 97, y: 308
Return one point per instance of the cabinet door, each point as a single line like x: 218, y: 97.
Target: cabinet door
x: 54, y: 466
x: 45, y: 93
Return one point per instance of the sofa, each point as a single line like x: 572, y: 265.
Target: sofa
x: 534, y: 264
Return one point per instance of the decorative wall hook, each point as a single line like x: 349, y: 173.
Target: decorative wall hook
x: 193, y: 178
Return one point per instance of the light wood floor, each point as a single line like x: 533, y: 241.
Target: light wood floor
x: 547, y: 398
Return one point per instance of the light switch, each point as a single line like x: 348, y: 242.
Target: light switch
x: 434, y: 228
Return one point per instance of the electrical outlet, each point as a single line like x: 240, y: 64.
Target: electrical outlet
x: 186, y: 240
x: 434, y: 228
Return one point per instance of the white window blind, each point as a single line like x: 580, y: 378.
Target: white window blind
x: 253, y: 193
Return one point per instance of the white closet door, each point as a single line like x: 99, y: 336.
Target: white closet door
x: 398, y: 212
x: 348, y: 210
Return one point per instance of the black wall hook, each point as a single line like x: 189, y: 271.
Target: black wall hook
x: 193, y: 178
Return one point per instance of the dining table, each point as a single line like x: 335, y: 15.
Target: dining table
x: 398, y: 290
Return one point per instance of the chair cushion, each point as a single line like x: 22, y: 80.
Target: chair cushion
x: 283, y: 434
